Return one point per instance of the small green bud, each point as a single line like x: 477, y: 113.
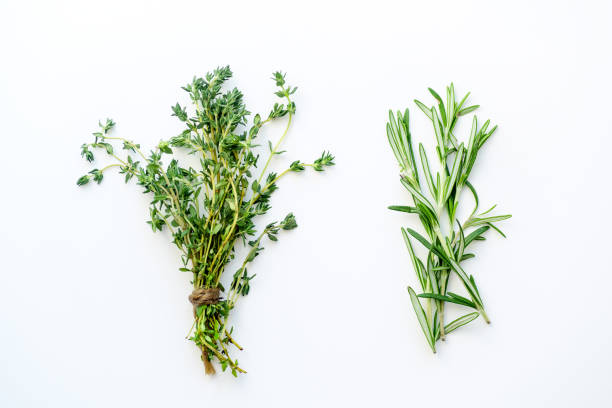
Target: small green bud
x: 83, y: 180
x: 289, y: 222
x: 296, y: 166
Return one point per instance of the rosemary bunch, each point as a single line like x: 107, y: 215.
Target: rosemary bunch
x: 209, y: 208
x: 436, y: 200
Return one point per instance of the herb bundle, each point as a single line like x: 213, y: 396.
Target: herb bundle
x: 209, y: 208
x: 436, y: 200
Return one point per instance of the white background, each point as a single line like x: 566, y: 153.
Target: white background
x: 94, y: 312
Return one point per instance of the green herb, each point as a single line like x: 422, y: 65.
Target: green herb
x: 207, y: 209
x: 436, y: 200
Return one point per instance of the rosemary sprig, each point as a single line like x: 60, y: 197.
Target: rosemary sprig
x: 436, y: 200
x: 208, y: 209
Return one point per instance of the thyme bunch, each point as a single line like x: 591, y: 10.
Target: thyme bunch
x: 209, y: 208
x: 436, y: 200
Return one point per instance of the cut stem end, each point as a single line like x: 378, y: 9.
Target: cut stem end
x: 209, y: 369
x: 484, y: 316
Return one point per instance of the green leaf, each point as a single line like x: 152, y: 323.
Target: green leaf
x: 83, y: 180
x: 416, y: 264
x: 464, y: 302
x: 279, y: 78
x: 439, y: 134
x: 462, y: 321
x: 487, y: 220
x: 326, y: 160
x: 404, y: 208
x: 417, y: 194
x: 164, y: 148
x: 474, y: 285
x: 473, y: 190
x: 421, y: 273
x: 86, y: 153
x: 450, y: 101
x: 460, y: 298
x: 468, y: 283
x: 289, y: 222
x: 418, y: 309
x: 467, y: 256
x: 97, y: 175
x: 442, y: 113
x: 424, y: 108
x: 488, y: 211
x: 463, y: 101
x: 179, y: 112
x: 497, y: 229
x: 296, y: 166
x: 461, y: 247
x: 486, y: 136
x: 433, y: 280
x: 467, y: 110
x: 216, y: 228
x: 425, y: 165
x: 435, y: 95
x: 450, y: 184
x: 107, y: 126
x: 474, y: 234
x: 426, y: 243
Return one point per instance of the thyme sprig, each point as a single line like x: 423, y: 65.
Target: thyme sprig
x: 436, y: 200
x: 209, y: 208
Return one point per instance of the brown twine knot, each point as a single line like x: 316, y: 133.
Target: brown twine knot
x: 204, y: 296
x: 199, y: 297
